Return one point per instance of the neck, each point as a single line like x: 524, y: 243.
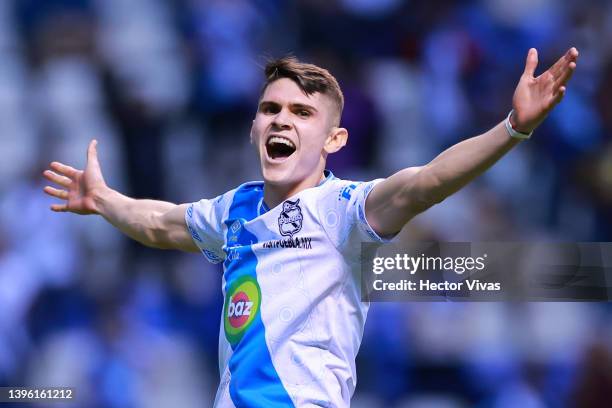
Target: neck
x: 275, y: 194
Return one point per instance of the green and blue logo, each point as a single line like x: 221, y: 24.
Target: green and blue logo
x: 242, y: 303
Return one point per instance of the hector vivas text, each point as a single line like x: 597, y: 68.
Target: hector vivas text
x: 414, y: 264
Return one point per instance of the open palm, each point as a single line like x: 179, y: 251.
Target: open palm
x: 79, y: 187
x: 534, y: 97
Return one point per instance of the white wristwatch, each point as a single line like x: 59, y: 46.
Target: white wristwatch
x: 514, y: 133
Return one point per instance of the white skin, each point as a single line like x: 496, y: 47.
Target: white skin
x: 310, y: 122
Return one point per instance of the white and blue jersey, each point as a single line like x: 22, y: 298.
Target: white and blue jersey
x: 292, y: 318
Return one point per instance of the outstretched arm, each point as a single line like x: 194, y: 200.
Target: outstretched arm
x: 394, y: 201
x: 153, y: 223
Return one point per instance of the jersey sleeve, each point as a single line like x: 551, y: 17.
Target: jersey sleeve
x: 360, y: 226
x: 204, y: 220
x: 343, y: 215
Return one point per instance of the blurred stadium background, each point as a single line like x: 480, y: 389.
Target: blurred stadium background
x: 169, y: 88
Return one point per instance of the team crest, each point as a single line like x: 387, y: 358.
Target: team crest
x: 290, y: 218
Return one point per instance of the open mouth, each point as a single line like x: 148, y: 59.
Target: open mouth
x: 279, y: 147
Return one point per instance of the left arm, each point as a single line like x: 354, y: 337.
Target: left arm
x: 396, y: 200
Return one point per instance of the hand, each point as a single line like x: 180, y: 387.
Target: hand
x: 80, y: 187
x: 535, y: 97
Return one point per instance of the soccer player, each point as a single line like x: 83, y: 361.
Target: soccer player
x: 292, y: 318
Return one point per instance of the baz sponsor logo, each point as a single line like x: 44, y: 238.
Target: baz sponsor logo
x: 242, y: 303
x: 290, y: 218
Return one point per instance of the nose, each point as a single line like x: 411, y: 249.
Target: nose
x: 282, y: 120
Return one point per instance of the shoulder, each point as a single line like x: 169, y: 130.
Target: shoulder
x: 244, y: 188
x: 246, y: 195
x: 346, y: 191
x: 228, y: 197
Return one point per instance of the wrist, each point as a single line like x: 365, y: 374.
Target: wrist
x: 102, y: 196
x: 516, y: 125
x: 514, y: 130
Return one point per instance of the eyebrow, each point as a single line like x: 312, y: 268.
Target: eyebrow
x: 293, y: 105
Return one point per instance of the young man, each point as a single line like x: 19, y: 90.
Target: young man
x: 292, y: 319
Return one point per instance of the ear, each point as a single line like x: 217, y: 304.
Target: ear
x: 335, y: 140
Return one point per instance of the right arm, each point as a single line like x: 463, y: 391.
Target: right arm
x: 157, y: 224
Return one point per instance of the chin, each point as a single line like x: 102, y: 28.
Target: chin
x: 276, y: 176
x: 279, y: 173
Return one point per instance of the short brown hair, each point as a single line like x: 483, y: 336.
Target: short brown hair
x: 308, y: 77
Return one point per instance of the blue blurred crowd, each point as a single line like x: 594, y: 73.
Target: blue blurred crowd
x: 169, y: 89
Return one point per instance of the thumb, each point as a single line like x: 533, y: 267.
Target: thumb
x: 92, y: 154
x: 531, y: 63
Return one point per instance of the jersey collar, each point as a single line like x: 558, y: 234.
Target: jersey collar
x: 263, y: 208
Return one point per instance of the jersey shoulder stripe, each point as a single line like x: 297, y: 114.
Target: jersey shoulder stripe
x: 254, y: 381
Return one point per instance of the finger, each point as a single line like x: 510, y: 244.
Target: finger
x: 532, y: 62
x: 64, y: 169
x: 92, y: 153
x: 574, y: 53
x: 565, y: 75
x: 562, y: 63
x: 57, y: 179
x: 56, y: 192
x: 557, y: 96
x: 59, y: 207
